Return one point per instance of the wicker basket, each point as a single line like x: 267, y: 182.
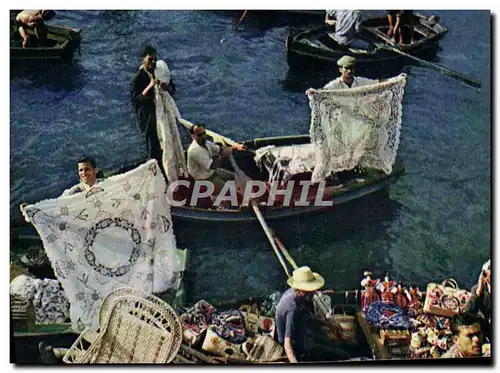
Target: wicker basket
x: 134, y: 330
x: 264, y: 349
x: 348, y: 324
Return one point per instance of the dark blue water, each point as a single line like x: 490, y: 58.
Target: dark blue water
x: 432, y: 224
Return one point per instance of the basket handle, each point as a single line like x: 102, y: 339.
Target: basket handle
x: 450, y: 281
x: 342, y: 308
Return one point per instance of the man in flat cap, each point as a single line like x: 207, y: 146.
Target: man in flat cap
x: 347, y: 79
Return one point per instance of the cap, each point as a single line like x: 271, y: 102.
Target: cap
x: 346, y: 61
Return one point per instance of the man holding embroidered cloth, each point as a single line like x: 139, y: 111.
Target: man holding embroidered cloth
x: 143, y: 100
x: 347, y: 79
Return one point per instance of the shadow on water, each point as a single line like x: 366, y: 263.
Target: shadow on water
x: 267, y: 19
x: 65, y: 75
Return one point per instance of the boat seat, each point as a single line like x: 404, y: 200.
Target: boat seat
x: 423, y: 30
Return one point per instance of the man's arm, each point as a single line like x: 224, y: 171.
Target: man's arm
x: 329, y: 17
x: 289, y: 333
x: 359, y: 21
x: 290, y: 354
x: 138, y: 85
x: 220, y: 153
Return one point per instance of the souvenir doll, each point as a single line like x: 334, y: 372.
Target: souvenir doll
x: 387, y: 289
x: 415, y: 307
x: 368, y: 295
x: 403, y: 298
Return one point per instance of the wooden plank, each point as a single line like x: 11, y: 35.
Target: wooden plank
x: 375, y: 31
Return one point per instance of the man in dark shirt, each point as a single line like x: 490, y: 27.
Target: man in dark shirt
x: 297, y: 328
x: 143, y: 101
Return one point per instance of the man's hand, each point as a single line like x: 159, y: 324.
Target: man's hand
x: 239, y: 147
x: 310, y: 91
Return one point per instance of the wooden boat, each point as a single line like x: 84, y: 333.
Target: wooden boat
x: 316, y: 44
x: 62, y: 42
x: 348, y: 185
x: 25, y: 340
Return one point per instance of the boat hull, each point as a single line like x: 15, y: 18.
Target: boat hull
x: 63, y: 42
x: 314, y: 45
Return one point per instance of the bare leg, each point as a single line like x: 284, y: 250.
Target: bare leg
x: 397, y: 30
x: 390, y: 32
x: 41, y: 32
x: 24, y: 36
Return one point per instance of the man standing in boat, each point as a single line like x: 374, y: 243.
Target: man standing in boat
x: 34, y: 19
x: 347, y: 79
x: 347, y: 24
x: 143, y: 101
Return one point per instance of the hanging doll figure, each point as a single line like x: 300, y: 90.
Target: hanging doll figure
x: 368, y: 295
x: 403, y: 298
x: 387, y: 289
x: 415, y: 307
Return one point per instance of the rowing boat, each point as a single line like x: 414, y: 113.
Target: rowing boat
x: 346, y: 186
x: 62, y: 42
x: 304, y: 46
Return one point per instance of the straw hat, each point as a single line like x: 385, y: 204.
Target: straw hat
x: 305, y: 279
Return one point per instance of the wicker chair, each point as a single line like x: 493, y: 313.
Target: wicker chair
x: 132, y: 330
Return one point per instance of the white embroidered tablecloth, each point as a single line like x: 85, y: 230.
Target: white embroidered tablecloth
x: 118, y: 233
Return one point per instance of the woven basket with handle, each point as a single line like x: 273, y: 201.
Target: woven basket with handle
x: 133, y: 330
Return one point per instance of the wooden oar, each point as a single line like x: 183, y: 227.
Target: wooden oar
x: 236, y: 27
x: 269, y: 235
x: 284, y: 250
x: 464, y: 78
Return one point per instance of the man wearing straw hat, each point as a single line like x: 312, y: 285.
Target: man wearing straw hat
x: 294, y: 320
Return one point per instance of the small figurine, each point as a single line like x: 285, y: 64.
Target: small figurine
x: 387, y: 289
x: 403, y: 298
x: 368, y: 295
x: 415, y: 306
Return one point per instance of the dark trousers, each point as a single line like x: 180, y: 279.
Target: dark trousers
x: 146, y: 117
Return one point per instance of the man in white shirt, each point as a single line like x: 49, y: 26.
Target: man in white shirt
x: 346, y: 79
x: 204, y: 158
x: 87, y: 171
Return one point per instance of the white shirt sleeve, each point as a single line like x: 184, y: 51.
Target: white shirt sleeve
x: 202, y: 158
